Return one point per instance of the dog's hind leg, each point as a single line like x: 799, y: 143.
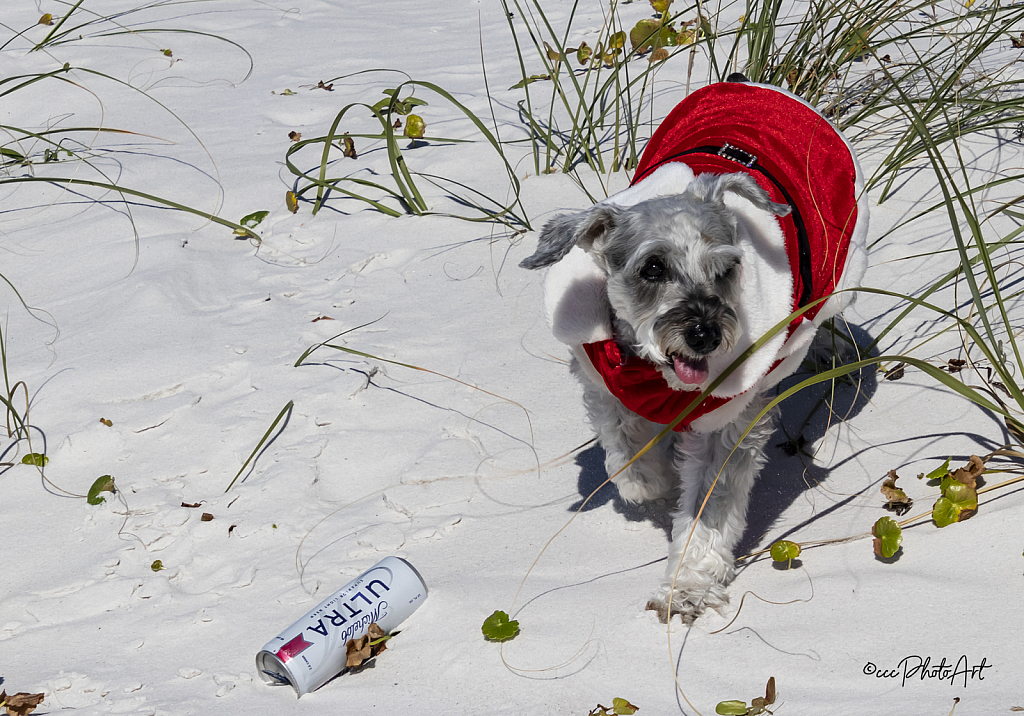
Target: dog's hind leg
x: 623, y: 434
x: 698, y: 572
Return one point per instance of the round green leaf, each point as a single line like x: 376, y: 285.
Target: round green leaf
x: 157, y: 566
x: 498, y: 627
x: 888, y: 537
x: 785, y: 551
x: 944, y: 512
x: 644, y: 34
x: 963, y: 496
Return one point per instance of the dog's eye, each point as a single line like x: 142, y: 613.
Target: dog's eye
x: 654, y: 270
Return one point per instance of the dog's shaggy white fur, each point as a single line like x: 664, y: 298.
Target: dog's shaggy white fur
x: 685, y: 272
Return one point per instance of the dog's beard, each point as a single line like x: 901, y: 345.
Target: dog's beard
x: 659, y: 335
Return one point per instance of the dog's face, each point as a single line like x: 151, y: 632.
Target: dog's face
x: 673, y: 267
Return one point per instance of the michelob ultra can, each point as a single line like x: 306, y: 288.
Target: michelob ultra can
x: 313, y: 650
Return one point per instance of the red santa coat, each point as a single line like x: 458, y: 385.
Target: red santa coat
x: 800, y: 159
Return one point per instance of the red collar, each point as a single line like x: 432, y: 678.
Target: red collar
x: 640, y: 386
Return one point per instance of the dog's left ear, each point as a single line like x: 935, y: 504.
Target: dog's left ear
x: 711, y: 187
x: 567, y: 230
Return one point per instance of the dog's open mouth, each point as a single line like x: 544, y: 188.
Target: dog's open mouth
x: 689, y: 370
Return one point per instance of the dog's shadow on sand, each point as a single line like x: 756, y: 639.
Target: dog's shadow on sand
x: 790, y: 470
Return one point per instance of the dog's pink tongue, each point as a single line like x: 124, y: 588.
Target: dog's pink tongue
x: 690, y: 371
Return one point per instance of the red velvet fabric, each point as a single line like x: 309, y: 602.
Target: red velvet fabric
x: 803, y: 152
x: 794, y: 144
x: 641, y: 387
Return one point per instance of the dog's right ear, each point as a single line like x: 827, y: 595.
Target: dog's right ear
x: 567, y: 230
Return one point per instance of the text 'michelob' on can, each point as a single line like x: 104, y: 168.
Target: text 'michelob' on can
x: 312, y: 650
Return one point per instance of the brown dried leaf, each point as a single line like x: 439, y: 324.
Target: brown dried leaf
x: 321, y: 85
x: 969, y: 473
x: 108, y: 423
x: 350, y: 146
x: 359, y: 650
x: 659, y: 55
x: 897, y: 500
x: 191, y: 504
x: 231, y: 529
x: 976, y: 466
x: 207, y: 517
x: 896, y: 372
x: 1018, y: 42
x: 21, y: 703
x: 397, y: 124
x: 322, y: 318
x: 295, y: 136
x: 955, y: 365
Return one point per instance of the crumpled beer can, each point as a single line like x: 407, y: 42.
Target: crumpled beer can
x: 312, y: 650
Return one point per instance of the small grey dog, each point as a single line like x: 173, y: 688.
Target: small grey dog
x: 674, y: 273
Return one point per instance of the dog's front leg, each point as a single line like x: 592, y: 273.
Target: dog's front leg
x: 622, y: 435
x: 697, y: 573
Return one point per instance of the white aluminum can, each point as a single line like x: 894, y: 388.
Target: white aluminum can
x: 313, y: 650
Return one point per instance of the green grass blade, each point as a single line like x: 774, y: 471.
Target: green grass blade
x: 286, y: 410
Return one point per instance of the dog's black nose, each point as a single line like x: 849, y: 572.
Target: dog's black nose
x: 703, y: 338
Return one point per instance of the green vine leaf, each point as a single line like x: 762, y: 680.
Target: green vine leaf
x: 958, y: 502
x: 498, y: 627
x: 621, y: 707
x: 731, y: 708
x: 402, y: 106
x: 944, y: 513
x: 938, y: 472
x: 251, y: 221
x: 35, y: 458
x: 583, y: 54
x: 785, y: 551
x: 888, y: 537
x: 104, y: 483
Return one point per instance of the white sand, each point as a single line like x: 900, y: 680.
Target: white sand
x: 190, y: 353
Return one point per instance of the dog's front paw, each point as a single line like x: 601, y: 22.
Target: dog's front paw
x: 633, y: 491
x: 635, y: 486
x: 688, y: 604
